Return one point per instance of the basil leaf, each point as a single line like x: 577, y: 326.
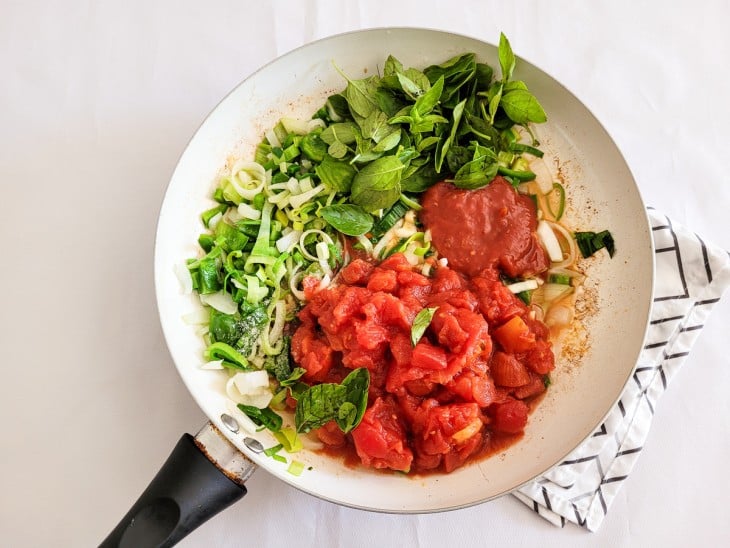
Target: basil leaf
x: 353, y: 408
x: 377, y: 185
x: 422, y: 179
x: 590, y: 242
x: 409, y: 87
x: 388, y: 142
x: 373, y: 125
x: 457, y: 71
x: 514, y: 84
x: 263, y: 417
x: 346, y: 416
x: 392, y: 66
x: 344, y: 403
x: 426, y: 102
x: 420, y: 323
x: 522, y: 107
x: 335, y: 174
x: 498, y: 88
x: 343, y: 132
x: 484, y: 74
x: 318, y: 405
x: 479, y: 171
x: 506, y: 58
x: 361, y: 95
x: 443, y: 150
x: 349, y: 219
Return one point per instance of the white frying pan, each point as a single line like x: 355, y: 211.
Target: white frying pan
x: 602, y: 194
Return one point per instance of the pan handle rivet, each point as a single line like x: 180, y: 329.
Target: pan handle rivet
x: 254, y: 445
x: 230, y: 423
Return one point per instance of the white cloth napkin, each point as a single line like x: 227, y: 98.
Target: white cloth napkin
x: 691, y: 275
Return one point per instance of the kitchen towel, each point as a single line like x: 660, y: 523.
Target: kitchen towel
x: 691, y: 275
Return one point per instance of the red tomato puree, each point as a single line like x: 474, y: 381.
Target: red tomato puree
x: 464, y: 388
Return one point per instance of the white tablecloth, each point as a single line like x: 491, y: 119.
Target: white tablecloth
x: 97, y: 101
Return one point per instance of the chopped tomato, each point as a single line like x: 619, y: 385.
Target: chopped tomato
x: 380, y: 439
x: 515, y: 336
x: 508, y: 371
x: 436, y: 404
x: 510, y: 417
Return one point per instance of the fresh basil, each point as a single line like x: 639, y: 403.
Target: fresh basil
x: 349, y: 219
x: 321, y: 403
x: 590, y: 242
x: 479, y: 171
x: 336, y: 174
x: 522, y: 107
x: 421, y: 323
x: 507, y: 59
x: 377, y: 185
x: 356, y: 385
x: 446, y: 144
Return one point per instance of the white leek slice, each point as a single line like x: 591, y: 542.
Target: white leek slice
x: 549, y: 241
x: 543, y: 176
x: 289, y: 240
x: 213, y: 365
x: 221, y: 301
x: 298, y: 200
x: 298, y: 127
x: 200, y: 316
x: 525, y: 285
x: 250, y: 388
x: 184, y: 277
x: 248, y: 212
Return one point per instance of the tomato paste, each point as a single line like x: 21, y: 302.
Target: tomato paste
x: 461, y: 389
x: 492, y: 227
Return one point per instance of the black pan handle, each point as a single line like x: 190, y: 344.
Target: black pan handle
x: 187, y: 491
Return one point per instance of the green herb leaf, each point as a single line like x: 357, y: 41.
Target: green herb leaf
x: 321, y: 403
x: 263, y: 417
x: 590, y: 242
x: 420, y: 323
x: 506, y: 58
x: 522, y: 107
x: 392, y: 66
x: 444, y: 149
x: 349, y: 219
x: 335, y: 174
x: 361, y: 95
x: 377, y: 185
x: 357, y: 384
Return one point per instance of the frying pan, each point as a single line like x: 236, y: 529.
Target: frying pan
x: 205, y: 474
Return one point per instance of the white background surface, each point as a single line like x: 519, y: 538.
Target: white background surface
x: 98, y: 100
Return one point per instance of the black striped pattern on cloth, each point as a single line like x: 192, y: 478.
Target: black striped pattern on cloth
x: 691, y: 276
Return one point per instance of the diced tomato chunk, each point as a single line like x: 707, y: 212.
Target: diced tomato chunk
x: 508, y: 371
x: 330, y: 434
x: 510, y: 417
x: 541, y: 358
x: 515, y: 336
x: 383, y: 280
x: 357, y: 272
x: 380, y: 439
x: 427, y: 356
